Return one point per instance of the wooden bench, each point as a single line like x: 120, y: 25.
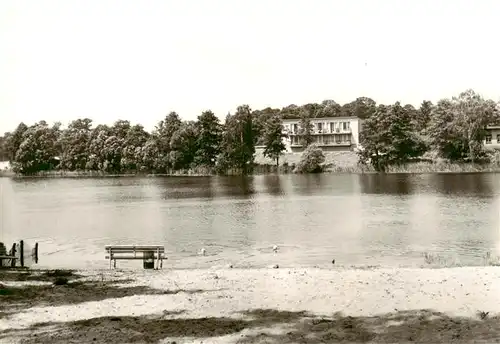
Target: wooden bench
x: 130, y: 252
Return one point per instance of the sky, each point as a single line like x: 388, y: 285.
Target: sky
x: 139, y: 60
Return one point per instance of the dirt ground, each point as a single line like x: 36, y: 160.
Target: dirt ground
x: 252, y: 326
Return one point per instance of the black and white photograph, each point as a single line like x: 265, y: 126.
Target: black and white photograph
x: 249, y: 172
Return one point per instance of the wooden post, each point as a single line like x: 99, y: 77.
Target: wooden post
x: 21, y: 253
x: 13, y: 254
x: 34, y: 253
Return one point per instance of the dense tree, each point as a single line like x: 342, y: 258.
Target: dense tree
x: 209, y: 139
x: 273, y: 138
x: 239, y: 139
x: 134, y: 140
x: 329, y: 108
x: 96, y: 158
x: 305, y: 129
x: 452, y: 129
x: 113, y: 154
x: 74, y: 142
x: 362, y: 108
x: 444, y: 137
x: 4, y: 156
x: 260, y: 118
x: 457, y: 126
x: 120, y: 128
x: 424, y: 115
x: 13, y: 140
x: 38, y: 149
x: 389, y: 137
x: 184, y: 145
x: 291, y: 111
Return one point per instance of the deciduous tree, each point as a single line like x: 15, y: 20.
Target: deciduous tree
x: 74, y: 142
x: 209, y: 139
x: 38, y: 149
x: 305, y: 130
x: 239, y: 139
x: 311, y: 161
x: 388, y: 137
x: 273, y: 138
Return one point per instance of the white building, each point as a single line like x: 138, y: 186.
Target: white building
x: 331, y: 133
x: 492, y: 138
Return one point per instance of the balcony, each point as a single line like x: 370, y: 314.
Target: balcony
x: 335, y: 131
x: 330, y: 144
x: 325, y: 132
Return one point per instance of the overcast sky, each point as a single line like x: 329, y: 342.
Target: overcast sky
x: 139, y: 60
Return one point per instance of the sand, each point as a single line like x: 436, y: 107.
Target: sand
x: 233, y: 293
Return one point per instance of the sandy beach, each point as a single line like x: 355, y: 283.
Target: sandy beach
x: 255, y: 306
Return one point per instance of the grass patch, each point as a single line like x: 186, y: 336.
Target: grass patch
x: 443, y: 167
x: 436, y: 260
x: 418, y: 168
x: 491, y: 260
x: 421, y: 326
x: 37, y: 275
x: 72, y: 293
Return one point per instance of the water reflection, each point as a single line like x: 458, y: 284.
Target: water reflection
x: 273, y: 184
x: 313, y: 182
x: 396, y: 184
x: 235, y: 186
x: 186, y: 187
x: 471, y: 184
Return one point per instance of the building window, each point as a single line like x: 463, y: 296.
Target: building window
x: 332, y: 127
x: 320, y: 127
x: 488, y: 139
x: 345, y: 125
x: 498, y: 138
x: 295, y: 128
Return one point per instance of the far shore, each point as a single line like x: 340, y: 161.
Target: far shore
x: 413, y: 168
x: 231, y: 305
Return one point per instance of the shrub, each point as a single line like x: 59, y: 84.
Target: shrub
x: 311, y: 161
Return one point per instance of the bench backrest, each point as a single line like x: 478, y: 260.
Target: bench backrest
x: 134, y: 248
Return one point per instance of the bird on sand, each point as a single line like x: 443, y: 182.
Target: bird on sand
x: 203, y: 252
x: 275, y: 248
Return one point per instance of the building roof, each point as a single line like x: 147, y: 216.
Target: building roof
x: 327, y: 119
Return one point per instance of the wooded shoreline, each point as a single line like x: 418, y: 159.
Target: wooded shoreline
x: 415, y: 168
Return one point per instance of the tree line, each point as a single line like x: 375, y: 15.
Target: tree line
x: 452, y: 129
x: 174, y: 144
x: 391, y: 134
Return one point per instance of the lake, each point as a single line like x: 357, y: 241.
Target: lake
x: 383, y: 220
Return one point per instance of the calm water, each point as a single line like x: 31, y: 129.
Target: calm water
x: 357, y: 219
